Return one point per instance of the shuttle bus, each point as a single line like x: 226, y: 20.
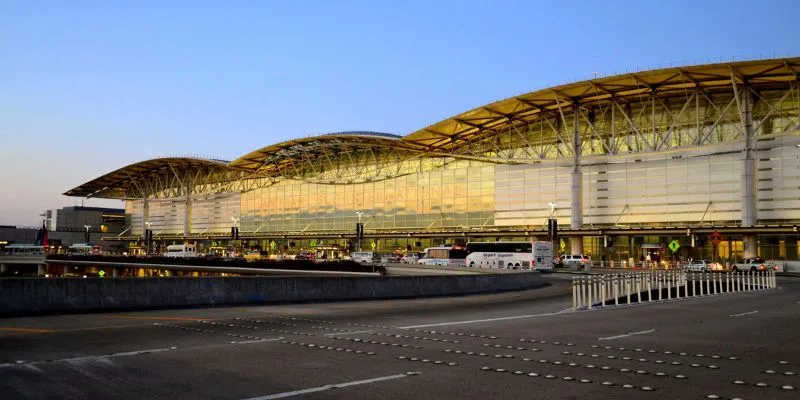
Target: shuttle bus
x: 514, y: 255
x: 181, y: 250
x: 84, y: 249
x: 23, y: 250
x: 444, y: 255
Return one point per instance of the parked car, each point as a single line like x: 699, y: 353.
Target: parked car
x: 306, y: 255
x: 365, y: 257
x: 701, y: 266
x: 410, y: 258
x: 390, y: 258
x: 755, y: 264
x: 575, y: 260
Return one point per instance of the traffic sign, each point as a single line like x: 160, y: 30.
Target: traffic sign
x: 716, y: 238
x: 272, y: 245
x: 562, y: 245
x: 674, y: 245
x: 102, y: 273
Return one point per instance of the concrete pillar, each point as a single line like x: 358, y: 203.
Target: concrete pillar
x: 749, y: 210
x: 576, y: 189
x: 41, y: 270
x: 145, y: 213
x: 187, y: 223
x: 2, y: 268
x: 114, y: 272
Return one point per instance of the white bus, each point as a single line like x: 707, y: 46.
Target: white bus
x: 23, y: 250
x: 515, y: 255
x: 84, y: 249
x: 444, y: 255
x: 181, y: 250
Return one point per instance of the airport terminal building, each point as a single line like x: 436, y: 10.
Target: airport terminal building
x: 704, y: 156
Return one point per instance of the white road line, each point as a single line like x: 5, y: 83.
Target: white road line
x: 347, y: 333
x: 328, y: 387
x: 744, y: 313
x: 475, y: 321
x: 87, y: 358
x: 627, y: 334
x: 258, y: 341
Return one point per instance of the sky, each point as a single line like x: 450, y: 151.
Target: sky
x: 87, y: 87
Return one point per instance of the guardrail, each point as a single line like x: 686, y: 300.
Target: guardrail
x: 593, y: 291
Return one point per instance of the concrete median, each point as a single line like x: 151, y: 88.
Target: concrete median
x: 21, y: 296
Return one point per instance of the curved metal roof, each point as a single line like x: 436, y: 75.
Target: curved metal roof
x: 110, y: 184
x: 309, y: 148
x: 471, y: 125
x: 455, y: 136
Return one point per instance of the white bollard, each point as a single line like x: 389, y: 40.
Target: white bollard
x: 574, y: 293
x: 627, y: 283
x: 713, y: 282
x: 670, y: 283
x: 660, y: 276
x: 615, y: 288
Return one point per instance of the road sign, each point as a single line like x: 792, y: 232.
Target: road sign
x: 562, y: 245
x: 716, y: 238
x: 102, y: 273
x: 373, y: 245
x: 674, y: 245
x: 272, y: 245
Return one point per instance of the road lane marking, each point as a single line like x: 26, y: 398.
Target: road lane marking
x: 24, y: 330
x: 328, y: 387
x: 627, y: 334
x: 88, y: 358
x: 744, y: 313
x: 158, y: 318
x: 347, y: 333
x: 475, y: 321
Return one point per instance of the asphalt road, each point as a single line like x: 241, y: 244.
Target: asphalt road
x: 511, y: 345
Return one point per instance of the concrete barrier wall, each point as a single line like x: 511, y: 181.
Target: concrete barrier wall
x: 19, y: 296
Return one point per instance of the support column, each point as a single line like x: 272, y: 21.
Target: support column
x: 2, y: 268
x: 187, y: 222
x: 576, y: 205
x: 749, y: 210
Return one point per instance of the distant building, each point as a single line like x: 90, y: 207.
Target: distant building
x: 71, y: 225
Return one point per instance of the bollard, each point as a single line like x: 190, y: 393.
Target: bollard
x: 713, y: 282
x: 615, y: 288
x: 626, y: 282
x: 574, y: 294
x: 670, y: 284
x: 602, y: 290
x: 738, y: 281
x: 728, y: 282
x: 774, y: 280
x: 658, y: 277
x: 649, y: 279
x: 708, y: 282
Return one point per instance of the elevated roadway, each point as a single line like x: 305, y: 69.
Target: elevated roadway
x: 510, y: 345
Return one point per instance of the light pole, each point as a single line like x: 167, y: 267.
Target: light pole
x: 235, y: 230
x: 87, y: 232
x: 359, y: 231
x: 552, y: 209
x: 147, y: 237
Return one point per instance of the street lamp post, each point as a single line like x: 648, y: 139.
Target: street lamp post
x: 147, y: 238
x: 235, y: 232
x: 359, y: 231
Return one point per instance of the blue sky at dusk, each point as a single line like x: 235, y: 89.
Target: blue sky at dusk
x: 87, y: 87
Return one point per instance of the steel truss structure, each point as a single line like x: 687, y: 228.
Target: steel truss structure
x: 646, y: 112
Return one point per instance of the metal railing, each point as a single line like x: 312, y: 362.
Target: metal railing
x: 595, y: 291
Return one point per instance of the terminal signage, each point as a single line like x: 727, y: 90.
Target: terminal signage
x: 716, y: 238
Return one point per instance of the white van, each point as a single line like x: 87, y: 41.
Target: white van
x: 366, y: 257
x: 181, y: 250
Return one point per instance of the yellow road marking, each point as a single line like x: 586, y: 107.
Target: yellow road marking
x: 26, y: 330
